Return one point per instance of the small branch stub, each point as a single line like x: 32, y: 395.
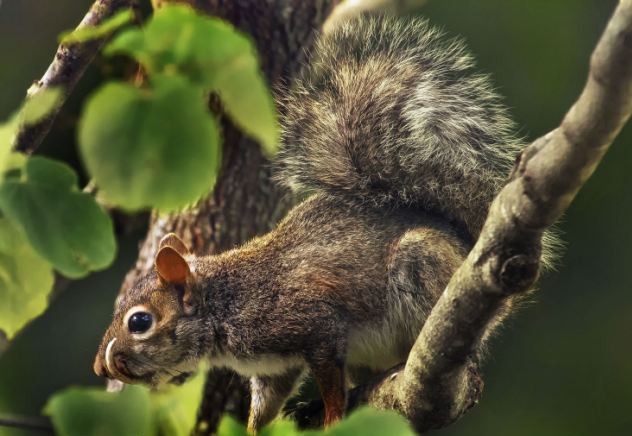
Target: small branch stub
x: 68, y: 66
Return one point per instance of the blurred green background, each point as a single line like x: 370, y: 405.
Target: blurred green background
x: 562, y: 366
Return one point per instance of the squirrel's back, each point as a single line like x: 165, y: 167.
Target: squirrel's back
x: 391, y: 113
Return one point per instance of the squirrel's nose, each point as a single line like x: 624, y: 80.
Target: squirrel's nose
x: 120, y: 363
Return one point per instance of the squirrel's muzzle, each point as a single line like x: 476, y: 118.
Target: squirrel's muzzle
x: 99, y: 366
x: 102, y: 362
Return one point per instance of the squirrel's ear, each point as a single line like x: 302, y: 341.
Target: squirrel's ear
x: 172, y: 240
x: 171, y: 266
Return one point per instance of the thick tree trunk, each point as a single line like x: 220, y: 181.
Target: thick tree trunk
x: 245, y: 202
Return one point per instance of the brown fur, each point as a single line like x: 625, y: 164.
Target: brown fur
x: 307, y: 293
x: 402, y: 147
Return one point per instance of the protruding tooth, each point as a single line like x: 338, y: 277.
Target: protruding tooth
x: 108, y: 359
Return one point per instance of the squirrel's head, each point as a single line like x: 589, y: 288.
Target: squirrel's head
x: 157, y: 331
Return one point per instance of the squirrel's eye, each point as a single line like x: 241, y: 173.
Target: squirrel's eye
x: 140, y: 322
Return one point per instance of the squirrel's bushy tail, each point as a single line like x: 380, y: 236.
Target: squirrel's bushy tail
x: 390, y: 112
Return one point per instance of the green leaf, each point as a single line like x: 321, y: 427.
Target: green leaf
x: 34, y: 109
x: 89, y: 411
x: 371, y: 422
x: 39, y: 105
x: 247, y: 100
x: 364, y: 421
x: 130, y: 42
x: 66, y: 226
x: 88, y: 33
x: 170, y: 41
x: 25, y: 280
x: 229, y: 426
x: 280, y: 428
x: 156, y: 148
x: 7, y: 133
x: 14, y: 165
x: 212, y: 53
x: 175, y: 408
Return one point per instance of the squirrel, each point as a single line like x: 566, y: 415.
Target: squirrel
x: 398, y: 146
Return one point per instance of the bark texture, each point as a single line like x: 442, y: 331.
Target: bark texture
x: 68, y: 66
x: 245, y: 202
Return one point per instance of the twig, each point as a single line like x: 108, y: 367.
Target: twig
x: 352, y: 8
x: 437, y: 384
x: 37, y: 423
x: 68, y: 66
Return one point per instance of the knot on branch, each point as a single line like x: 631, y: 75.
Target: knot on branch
x: 520, y: 165
x: 518, y: 273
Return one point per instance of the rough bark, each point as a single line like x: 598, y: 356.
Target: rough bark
x: 437, y: 384
x: 68, y: 66
x: 245, y: 202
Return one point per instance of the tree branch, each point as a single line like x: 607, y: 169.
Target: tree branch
x: 352, y: 8
x: 439, y: 383
x: 39, y: 424
x: 68, y: 66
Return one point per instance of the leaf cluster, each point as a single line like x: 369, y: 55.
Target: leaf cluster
x: 46, y: 222
x: 82, y: 411
x: 152, y: 146
x: 157, y: 146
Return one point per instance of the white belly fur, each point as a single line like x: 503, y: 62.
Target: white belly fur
x: 374, y: 346
x: 387, y: 344
x: 265, y: 364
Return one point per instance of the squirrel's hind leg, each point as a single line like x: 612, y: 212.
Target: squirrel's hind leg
x: 268, y: 395
x: 422, y: 264
x: 329, y: 372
